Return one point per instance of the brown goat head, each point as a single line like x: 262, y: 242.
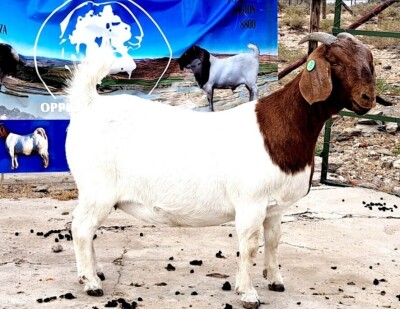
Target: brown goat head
x: 3, y: 131
x: 344, y: 63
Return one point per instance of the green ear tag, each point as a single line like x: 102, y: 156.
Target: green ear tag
x: 310, y: 65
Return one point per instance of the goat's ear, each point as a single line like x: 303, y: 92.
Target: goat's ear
x: 316, y: 82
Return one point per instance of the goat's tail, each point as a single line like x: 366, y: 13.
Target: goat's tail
x: 255, y: 49
x: 81, y: 87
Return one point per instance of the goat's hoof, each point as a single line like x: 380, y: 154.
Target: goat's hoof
x: 96, y: 293
x: 251, y: 305
x: 277, y: 287
x: 101, y: 276
x: 250, y: 301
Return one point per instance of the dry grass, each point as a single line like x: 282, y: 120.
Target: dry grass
x: 296, y: 17
x: 289, y: 55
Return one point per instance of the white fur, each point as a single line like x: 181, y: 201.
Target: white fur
x: 233, y: 71
x: 168, y: 165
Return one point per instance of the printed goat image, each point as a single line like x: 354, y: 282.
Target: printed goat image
x: 212, y: 73
x: 35, y: 142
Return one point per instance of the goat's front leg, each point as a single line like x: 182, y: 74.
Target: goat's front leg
x: 272, y: 235
x: 248, y: 223
x: 86, y: 220
x: 14, y: 161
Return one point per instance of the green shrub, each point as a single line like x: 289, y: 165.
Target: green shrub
x: 396, y: 150
x: 295, y: 17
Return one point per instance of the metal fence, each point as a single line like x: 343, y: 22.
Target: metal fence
x: 328, y: 126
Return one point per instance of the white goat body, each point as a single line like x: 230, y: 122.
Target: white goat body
x: 174, y: 166
x: 233, y: 71
x: 35, y: 142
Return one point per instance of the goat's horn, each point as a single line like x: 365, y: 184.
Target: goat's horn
x: 322, y: 37
x: 343, y: 35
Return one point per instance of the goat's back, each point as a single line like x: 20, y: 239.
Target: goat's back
x: 130, y: 129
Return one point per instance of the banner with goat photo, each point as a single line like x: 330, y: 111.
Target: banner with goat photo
x: 202, y: 55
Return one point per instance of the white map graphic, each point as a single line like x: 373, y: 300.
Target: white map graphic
x: 92, y: 25
x: 96, y: 30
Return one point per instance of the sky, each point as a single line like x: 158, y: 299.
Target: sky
x: 139, y: 29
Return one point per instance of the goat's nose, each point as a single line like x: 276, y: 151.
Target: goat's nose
x: 365, y: 97
x: 368, y: 99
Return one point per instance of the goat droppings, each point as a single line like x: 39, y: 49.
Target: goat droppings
x: 46, y: 300
x: 226, y: 286
x: 170, y: 267
x: 219, y: 255
x: 67, y: 296
x: 196, y: 262
x: 228, y: 306
x: 111, y: 304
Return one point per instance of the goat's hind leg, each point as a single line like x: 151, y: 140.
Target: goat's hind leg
x: 253, y: 92
x: 272, y: 235
x: 87, y: 218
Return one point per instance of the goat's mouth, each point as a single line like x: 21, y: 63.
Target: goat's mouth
x: 359, y: 109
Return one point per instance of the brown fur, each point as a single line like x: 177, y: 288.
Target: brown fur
x: 3, y: 132
x: 290, y: 124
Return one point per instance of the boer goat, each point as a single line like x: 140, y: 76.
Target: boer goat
x: 227, y: 73
x: 172, y: 166
x: 36, y: 142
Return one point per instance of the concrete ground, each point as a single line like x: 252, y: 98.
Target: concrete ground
x: 335, y: 252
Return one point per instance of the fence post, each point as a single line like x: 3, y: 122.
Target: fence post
x: 325, y: 150
x: 314, y: 22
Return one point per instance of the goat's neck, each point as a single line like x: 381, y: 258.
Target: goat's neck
x: 290, y: 126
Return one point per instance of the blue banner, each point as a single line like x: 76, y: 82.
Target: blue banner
x: 40, y: 40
